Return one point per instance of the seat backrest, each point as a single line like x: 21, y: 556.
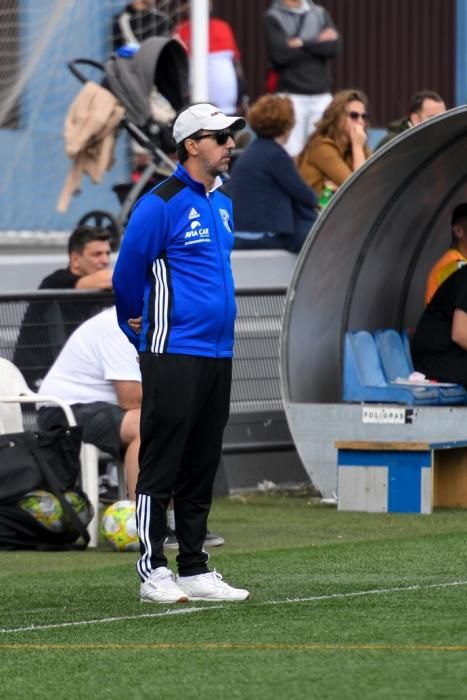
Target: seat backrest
x: 360, y: 350
x: 405, y: 335
x: 393, y: 354
x: 12, y: 383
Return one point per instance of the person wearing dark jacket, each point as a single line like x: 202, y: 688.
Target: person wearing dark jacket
x: 274, y: 208
x: 424, y: 105
x: 439, y: 344
x: 301, y: 40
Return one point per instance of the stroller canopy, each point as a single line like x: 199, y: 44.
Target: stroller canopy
x: 161, y: 63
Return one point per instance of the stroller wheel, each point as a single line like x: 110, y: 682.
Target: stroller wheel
x: 105, y: 220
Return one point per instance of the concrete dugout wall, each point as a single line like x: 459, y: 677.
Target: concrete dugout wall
x: 365, y: 266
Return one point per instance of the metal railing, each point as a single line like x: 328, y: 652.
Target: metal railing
x: 35, y: 325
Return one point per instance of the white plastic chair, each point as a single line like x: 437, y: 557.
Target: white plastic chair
x: 13, y: 392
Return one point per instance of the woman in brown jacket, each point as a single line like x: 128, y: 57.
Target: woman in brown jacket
x: 339, y: 145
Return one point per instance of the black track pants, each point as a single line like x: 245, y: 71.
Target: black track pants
x: 184, y: 411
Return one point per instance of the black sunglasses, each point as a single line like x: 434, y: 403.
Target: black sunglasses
x: 220, y: 137
x: 356, y: 115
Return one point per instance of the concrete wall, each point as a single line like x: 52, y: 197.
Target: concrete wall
x: 23, y: 269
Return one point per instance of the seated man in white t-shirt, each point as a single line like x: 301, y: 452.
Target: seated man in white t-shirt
x: 97, y: 373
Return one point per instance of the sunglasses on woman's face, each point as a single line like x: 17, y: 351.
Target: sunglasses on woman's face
x: 357, y: 115
x: 220, y: 137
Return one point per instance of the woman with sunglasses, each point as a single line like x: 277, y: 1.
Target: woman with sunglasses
x: 339, y: 145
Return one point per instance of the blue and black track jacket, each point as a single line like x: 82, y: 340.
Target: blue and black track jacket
x: 174, y: 270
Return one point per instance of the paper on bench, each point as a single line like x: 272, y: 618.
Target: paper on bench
x: 421, y: 382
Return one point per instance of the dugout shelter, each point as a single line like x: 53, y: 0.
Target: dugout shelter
x: 364, y: 266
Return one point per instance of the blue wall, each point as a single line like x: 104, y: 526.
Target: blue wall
x: 34, y: 163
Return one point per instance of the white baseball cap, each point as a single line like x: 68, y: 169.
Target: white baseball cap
x: 204, y: 116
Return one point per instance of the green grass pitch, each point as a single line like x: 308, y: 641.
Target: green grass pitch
x: 344, y: 606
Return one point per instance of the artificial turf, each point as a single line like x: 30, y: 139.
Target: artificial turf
x: 344, y: 605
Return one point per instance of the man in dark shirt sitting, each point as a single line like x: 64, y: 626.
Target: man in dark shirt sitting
x: 47, y: 324
x: 89, y: 262
x: 439, y: 345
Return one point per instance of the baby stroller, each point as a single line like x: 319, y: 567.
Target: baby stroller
x: 159, y: 69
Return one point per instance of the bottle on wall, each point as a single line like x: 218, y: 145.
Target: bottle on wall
x: 326, y: 194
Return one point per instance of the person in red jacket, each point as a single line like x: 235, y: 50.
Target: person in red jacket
x: 226, y: 83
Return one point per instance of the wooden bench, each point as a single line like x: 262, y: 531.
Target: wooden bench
x: 401, y: 477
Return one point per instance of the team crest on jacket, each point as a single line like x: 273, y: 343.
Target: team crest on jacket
x: 225, y: 219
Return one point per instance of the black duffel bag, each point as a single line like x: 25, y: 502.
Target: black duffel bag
x: 47, y: 461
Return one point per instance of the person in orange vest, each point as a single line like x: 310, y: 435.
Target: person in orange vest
x: 455, y: 257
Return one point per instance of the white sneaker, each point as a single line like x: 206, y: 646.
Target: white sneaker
x: 160, y: 587
x: 210, y: 586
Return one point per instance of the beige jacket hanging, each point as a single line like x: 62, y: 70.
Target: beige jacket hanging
x: 89, y: 137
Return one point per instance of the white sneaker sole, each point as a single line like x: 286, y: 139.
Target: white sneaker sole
x: 218, y: 600
x: 182, y: 599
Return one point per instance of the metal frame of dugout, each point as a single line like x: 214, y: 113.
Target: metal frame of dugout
x: 364, y: 266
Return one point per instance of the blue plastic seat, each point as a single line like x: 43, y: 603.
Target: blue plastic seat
x: 396, y: 361
x: 364, y: 378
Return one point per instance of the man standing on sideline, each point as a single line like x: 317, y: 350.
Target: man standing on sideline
x: 176, y: 303
x: 424, y: 105
x: 301, y: 40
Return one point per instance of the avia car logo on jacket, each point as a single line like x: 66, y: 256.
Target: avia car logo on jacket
x: 198, y: 235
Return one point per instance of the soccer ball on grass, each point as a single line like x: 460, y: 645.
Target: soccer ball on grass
x: 119, y: 526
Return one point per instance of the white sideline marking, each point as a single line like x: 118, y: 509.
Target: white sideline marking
x: 374, y: 591
x: 177, y: 611
x: 185, y: 611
